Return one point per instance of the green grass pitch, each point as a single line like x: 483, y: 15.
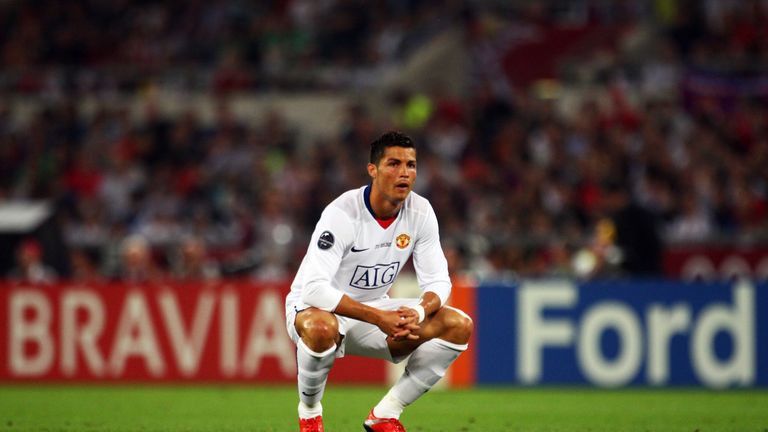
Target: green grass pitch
x: 259, y: 408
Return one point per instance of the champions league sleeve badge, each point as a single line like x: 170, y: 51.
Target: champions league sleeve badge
x: 326, y: 240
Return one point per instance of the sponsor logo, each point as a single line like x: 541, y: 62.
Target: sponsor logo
x: 402, y: 241
x: 359, y: 250
x: 326, y: 240
x: 372, y: 277
x: 152, y: 333
x: 649, y: 339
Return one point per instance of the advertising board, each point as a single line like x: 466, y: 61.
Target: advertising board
x: 229, y: 331
x: 614, y: 333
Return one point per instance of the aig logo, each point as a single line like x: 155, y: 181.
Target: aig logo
x: 372, y: 277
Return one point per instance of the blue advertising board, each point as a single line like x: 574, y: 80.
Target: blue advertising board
x: 620, y: 333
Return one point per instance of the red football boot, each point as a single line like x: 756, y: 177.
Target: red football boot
x: 314, y: 424
x: 375, y: 424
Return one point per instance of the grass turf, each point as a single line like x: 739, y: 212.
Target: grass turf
x: 212, y: 408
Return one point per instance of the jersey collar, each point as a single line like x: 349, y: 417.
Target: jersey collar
x: 384, y: 223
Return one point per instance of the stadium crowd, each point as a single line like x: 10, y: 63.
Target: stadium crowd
x: 224, y: 46
x: 520, y: 188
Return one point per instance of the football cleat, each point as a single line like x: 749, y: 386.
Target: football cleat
x: 376, y: 424
x: 314, y: 424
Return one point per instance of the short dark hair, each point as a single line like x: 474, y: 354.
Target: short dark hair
x: 389, y: 139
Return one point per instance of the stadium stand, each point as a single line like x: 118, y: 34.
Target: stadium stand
x: 519, y: 158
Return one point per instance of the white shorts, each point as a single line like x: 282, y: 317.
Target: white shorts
x: 359, y: 337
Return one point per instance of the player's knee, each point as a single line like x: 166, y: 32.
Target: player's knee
x: 319, y: 332
x: 459, y: 326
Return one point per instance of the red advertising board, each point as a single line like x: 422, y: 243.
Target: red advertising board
x: 716, y: 262
x: 228, y: 331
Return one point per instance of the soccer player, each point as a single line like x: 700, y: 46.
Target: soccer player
x: 338, y: 302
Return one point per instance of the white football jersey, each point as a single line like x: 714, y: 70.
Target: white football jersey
x: 351, y: 253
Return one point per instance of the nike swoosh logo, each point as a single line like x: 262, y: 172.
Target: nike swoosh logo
x: 309, y: 394
x: 359, y: 250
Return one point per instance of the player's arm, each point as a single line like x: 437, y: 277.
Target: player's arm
x: 333, y: 232
x: 431, y: 268
x: 430, y: 303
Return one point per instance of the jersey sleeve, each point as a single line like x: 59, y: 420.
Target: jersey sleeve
x: 429, y: 260
x: 333, y: 234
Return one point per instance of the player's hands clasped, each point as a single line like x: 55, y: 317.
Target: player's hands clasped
x: 402, y: 324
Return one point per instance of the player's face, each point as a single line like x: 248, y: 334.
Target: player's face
x: 395, y: 173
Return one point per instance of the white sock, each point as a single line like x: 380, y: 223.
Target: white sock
x: 425, y: 367
x: 308, y: 412
x: 313, y: 374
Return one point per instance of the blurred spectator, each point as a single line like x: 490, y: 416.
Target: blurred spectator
x: 692, y: 224
x: 30, y: 266
x: 635, y: 231
x: 137, y: 262
x: 84, y: 264
x: 191, y: 262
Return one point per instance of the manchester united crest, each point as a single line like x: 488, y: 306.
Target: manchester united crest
x: 402, y: 241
